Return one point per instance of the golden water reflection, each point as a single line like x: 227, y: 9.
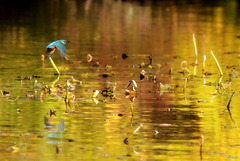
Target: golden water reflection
x: 185, y: 119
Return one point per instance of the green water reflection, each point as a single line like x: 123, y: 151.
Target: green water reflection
x: 181, y: 122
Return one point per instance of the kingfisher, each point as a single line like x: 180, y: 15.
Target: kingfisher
x: 59, y: 44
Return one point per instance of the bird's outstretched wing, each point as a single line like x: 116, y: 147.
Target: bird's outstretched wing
x: 61, y: 48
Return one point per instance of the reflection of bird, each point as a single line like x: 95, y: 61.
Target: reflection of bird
x: 59, y: 44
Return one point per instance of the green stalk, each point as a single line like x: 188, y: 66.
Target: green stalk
x: 55, y: 67
x: 195, y: 46
x: 219, y: 67
x: 196, y: 55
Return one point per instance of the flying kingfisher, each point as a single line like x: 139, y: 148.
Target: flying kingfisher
x: 59, y: 44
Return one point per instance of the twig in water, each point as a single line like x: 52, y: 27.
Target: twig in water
x: 228, y: 107
x: 137, y: 129
x: 229, y: 102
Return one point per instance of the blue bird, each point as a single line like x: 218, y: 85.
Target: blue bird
x: 59, y: 44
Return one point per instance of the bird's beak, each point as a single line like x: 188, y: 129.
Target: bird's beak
x: 68, y: 41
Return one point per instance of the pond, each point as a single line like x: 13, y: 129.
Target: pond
x: 181, y: 109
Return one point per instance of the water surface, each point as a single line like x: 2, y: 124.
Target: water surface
x: 184, y: 120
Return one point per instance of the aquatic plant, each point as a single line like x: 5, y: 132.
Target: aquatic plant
x: 196, y: 56
x: 204, y: 63
x: 216, y: 61
x: 184, y: 67
x: 53, y: 64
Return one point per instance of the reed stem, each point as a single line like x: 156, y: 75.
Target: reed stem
x: 204, y: 63
x: 219, y: 67
x: 196, y: 55
x: 195, y: 45
x: 55, y: 67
